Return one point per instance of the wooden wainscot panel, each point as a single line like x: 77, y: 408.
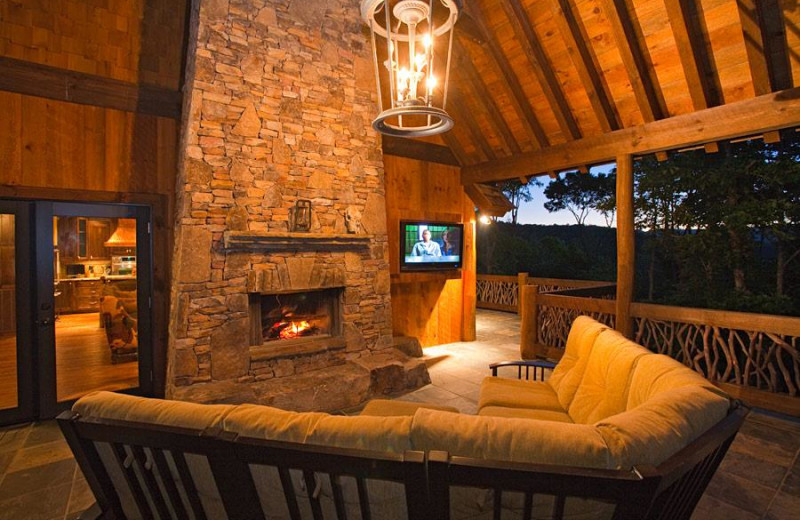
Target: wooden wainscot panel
x: 435, y: 307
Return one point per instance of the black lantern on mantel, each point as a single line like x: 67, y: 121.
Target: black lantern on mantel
x: 301, y: 215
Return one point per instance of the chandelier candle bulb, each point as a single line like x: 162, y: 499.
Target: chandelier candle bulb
x: 410, y: 30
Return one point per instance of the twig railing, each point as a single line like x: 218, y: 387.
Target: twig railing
x: 755, y: 357
x: 501, y: 292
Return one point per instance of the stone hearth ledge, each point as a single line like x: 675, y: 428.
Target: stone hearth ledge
x: 339, y: 387
x: 288, y: 241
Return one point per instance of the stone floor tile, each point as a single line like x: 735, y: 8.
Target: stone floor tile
x: 5, y: 460
x: 14, y: 437
x: 44, y: 432
x: 42, y: 504
x: 742, y: 493
x: 40, y: 455
x: 48, y: 475
x: 751, y: 468
x: 784, y: 507
x: 81, y: 497
x: 762, y: 450
x: 791, y: 485
x: 710, y: 508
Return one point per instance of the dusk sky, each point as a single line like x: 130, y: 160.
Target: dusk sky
x: 533, y: 212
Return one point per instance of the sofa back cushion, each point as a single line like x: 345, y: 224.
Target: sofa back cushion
x: 507, y: 439
x: 603, y: 391
x: 663, y: 425
x: 364, y: 432
x: 121, y: 407
x: 568, y: 374
x: 658, y: 373
x: 265, y: 422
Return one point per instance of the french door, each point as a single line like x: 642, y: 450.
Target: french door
x: 75, y: 298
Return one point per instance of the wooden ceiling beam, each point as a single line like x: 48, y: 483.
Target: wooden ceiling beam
x: 689, y: 45
x: 413, y: 149
x: 773, y: 32
x: 452, y: 142
x: 633, y: 58
x: 754, y: 45
x: 574, y: 35
x: 466, y: 71
x: 473, y: 129
x: 517, y: 96
x: 532, y: 48
x: 749, y: 117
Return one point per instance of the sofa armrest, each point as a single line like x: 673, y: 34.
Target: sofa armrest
x: 538, y: 366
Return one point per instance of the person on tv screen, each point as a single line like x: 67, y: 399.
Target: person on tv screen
x: 449, y: 244
x: 426, y: 247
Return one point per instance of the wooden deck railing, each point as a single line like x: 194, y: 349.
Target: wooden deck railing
x: 755, y: 357
x: 501, y: 292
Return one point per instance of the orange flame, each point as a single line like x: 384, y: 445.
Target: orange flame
x: 294, y: 329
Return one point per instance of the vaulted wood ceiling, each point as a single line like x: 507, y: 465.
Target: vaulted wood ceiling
x: 535, y: 74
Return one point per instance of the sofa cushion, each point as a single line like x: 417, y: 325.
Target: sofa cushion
x: 568, y: 373
x: 121, y: 407
x: 388, y: 408
x: 389, y: 434
x: 525, y: 413
x: 603, y: 391
x: 658, y: 373
x: 663, y: 425
x: 265, y: 422
x: 513, y: 393
x: 505, y: 439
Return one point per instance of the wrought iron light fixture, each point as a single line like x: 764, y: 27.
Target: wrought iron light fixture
x: 410, y: 29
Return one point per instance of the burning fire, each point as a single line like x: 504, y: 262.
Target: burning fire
x: 294, y: 329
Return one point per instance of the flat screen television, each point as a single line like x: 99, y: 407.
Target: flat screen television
x: 428, y: 246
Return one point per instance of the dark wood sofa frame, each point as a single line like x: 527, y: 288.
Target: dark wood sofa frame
x: 669, y: 491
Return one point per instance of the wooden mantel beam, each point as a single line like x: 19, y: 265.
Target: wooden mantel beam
x: 414, y: 149
x: 749, y: 117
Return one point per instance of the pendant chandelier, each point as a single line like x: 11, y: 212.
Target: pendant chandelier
x: 409, y: 30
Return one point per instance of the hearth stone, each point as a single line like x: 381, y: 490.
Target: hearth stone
x: 338, y: 387
x: 407, y: 345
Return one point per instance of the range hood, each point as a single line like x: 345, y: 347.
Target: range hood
x: 124, y: 235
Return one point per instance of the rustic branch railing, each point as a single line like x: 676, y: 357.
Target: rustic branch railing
x: 500, y: 292
x: 754, y: 357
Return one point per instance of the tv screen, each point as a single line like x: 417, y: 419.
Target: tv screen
x: 430, y: 245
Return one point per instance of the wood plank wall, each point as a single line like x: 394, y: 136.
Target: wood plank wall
x: 52, y: 149
x: 436, y: 308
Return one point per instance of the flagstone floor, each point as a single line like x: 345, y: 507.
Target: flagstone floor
x: 759, y: 478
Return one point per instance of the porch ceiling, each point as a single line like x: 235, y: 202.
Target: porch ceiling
x: 540, y: 82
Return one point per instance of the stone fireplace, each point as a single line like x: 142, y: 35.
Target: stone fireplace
x: 277, y: 108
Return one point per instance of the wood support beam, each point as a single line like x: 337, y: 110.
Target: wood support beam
x: 776, y: 50
x: 517, y: 96
x: 772, y: 137
x: 529, y: 347
x: 749, y: 117
x: 645, y: 88
x: 413, y: 149
x: 754, y: 44
x: 711, y: 147
x: 626, y: 254
x: 33, y: 79
x: 452, y: 142
x: 532, y: 48
x: 689, y: 42
x: 473, y: 80
x: 471, y: 125
x: 575, y: 38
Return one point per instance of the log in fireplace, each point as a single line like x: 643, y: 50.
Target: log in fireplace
x: 310, y: 315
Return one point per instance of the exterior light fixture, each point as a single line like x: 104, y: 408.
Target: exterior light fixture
x: 413, y: 73
x: 485, y: 220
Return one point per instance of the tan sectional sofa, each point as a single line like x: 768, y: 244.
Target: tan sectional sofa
x: 609, y: 406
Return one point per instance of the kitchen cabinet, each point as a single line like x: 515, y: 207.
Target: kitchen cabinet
x: 86, y: 296
x: 83, y: 238
x: 97, y: 232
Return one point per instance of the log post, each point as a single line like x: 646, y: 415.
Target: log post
x: 626, y: 255
x: 522, y: 281
x: 529, y: 315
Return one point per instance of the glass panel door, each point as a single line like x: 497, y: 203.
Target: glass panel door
x: 9, y: 397
x: 97, y: 291
x: 16, y: 398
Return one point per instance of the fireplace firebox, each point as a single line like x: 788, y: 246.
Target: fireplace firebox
x: 306, y: 315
